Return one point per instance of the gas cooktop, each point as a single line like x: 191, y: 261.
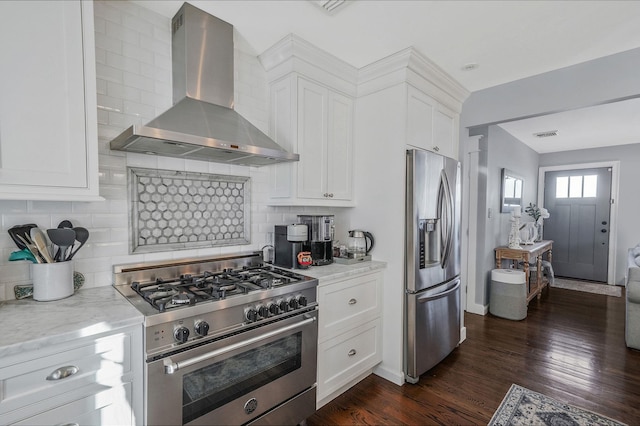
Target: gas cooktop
x: 188, y: 289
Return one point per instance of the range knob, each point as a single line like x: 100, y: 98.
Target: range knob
x: 263, y: 311
x: 274, y: 309
x: 293, y: 303
x: 251, y: 314
x: 181, y: 334
x: 202, y: 328
x: 302, y: 300
x: 284, y: 306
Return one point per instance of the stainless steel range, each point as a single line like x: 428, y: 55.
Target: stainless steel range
x: 228, y: 340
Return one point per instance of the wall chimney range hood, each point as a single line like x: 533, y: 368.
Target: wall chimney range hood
x: 202, y: 123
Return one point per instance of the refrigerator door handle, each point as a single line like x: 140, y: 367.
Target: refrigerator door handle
x: 430, y: 297
x: 446, y: 209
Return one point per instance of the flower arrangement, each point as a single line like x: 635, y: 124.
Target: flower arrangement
x: 538, y: 214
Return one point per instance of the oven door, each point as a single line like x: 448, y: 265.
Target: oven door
x: 235, y: 379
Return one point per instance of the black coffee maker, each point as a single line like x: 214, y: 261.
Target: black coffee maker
x: 319, y: 242
x: 289, y: 242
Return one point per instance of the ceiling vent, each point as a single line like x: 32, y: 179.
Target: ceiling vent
x: 546, y: 134
x: 331, y: 6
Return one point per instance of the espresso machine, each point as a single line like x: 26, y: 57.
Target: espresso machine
x: 320, y: 237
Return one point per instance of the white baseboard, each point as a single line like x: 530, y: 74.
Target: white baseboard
x: 478, y: 309
x: 394, y: 376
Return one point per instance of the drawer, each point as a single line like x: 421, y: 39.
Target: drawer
x: 97, y: 363
x: 109, y: 407
x: 343, y: 358
x: 348, y: 303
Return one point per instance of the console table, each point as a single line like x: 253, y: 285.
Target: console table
x: 525, y: 254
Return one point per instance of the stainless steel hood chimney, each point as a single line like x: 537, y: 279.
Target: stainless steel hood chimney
x: 202, y: 124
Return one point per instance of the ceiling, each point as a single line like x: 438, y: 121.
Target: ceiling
x: 505, y: 40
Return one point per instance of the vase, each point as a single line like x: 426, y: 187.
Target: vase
x: 539, y: 233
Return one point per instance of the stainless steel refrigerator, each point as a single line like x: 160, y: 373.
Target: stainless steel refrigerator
x: 432, y: 267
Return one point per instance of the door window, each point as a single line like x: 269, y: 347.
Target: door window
x: 583, y: 186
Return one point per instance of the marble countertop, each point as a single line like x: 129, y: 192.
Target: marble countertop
x: 338, y: 271
x: 30, y: 325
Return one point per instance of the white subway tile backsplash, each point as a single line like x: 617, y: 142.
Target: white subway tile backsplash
x: 103, y: 41
x: 119, y: 61
x: 118, y: 32
x: 138, y: 81
x: 137, y: 25
x: 157, y: 46
x: 13, y: 207
x: 107, y: 10
x: 107, y: 73
x: 134, y: 51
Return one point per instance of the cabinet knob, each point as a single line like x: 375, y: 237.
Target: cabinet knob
x: 63, y: 372
x: 352, y: 352
x: 330, y: 195
x: 325, y: 195
x: 353, y: 301
x: 436, y: 149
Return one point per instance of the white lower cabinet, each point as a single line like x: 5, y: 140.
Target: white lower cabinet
x: 349, y: 332
x: 94, y: 380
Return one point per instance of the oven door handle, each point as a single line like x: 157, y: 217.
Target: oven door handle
x: 171, y: 367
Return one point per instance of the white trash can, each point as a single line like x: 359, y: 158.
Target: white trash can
x: 508, y: 294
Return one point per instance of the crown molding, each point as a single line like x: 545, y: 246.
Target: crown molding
x: 410, y: 66
x: 293, y: 54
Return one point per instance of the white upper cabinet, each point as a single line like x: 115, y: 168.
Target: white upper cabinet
x: 324, y: 143
x: 311, y: 114
x: 48, y: 124
x: 431, y: 125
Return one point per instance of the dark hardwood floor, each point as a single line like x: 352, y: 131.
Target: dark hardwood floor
x: 570, y: 347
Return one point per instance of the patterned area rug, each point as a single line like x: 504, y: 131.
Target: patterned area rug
x: 589, y: 287
x: 524, y: 407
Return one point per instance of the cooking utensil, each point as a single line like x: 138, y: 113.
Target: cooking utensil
x: 82, y: 235
x: 63, y: 238
x: 32, y: 248
x: 65, y: 224
x: 24, y: 254
x: 40, y: 240
x: 22, y: 230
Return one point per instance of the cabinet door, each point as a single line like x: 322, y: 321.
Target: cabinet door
x: 48, y: 136
x: 312, y: 139
x: 420, y: 108
x: 344, y: 359
x: 108, y: 407
x: 445, y: 131
x: 339, y: 147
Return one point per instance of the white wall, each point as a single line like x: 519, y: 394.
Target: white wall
x: 628, y: 229
x: 133, y: 63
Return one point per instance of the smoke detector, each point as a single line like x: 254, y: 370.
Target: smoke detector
x: 331, y: 6
x: 546, y: 134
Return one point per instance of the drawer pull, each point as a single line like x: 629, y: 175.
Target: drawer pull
x: 352, y: 352
x: 63, y: 372
x: 70, y: 424
x: 353, y: 301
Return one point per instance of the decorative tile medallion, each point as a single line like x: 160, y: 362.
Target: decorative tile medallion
x: 173, y: 210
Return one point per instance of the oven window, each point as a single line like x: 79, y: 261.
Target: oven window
x: 212, y: 386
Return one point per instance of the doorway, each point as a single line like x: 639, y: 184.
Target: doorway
x: 580, y: 201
